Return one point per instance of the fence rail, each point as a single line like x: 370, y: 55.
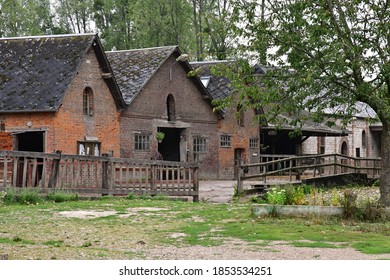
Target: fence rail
x: 97, y: 175
x: 310, y: 166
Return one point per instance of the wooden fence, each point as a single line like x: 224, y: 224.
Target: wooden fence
x: 292, y: 168
x: 97, y: 175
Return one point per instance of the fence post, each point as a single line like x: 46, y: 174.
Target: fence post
x: 239, y: 179
x: 195, y: 198
x: 55, y: 166
x: 5, y: 172
x: 105, y: 188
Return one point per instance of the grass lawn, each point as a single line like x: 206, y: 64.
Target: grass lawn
x: 112, y: 228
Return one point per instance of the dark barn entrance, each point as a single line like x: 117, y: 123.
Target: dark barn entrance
x: 32, y: 141
x: 169, y: 148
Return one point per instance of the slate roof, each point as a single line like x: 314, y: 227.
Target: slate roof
x: 219, y: 89
x: 217, y: 86
x: 36, y: 72
x: 134, y: 68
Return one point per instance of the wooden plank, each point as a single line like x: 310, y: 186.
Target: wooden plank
x: 34, y: 172
x: 15, y: 171
x: 5, y: 172
x: 127, y: 176
x: 24, y: 179
x: 43, y: 178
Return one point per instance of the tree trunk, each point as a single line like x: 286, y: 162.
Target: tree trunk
x: 385, y: 165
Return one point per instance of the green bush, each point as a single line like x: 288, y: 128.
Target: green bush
x: 296, y: 195
x: 276, y: 196
x: 29, y: 196
x: 62, y: 196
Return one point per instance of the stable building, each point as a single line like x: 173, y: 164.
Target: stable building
x: 58, y: 93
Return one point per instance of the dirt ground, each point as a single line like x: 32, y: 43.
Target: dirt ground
x: 222, y: 192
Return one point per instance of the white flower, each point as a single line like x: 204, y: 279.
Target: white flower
x: 349, y: 71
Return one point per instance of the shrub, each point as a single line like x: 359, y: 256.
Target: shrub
x: 276, y: 196
x: 29, y: 196
x: 62, y: 196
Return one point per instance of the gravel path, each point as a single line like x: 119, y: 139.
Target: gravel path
x: 238, y: 250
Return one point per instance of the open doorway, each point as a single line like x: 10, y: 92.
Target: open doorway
x: 169, y: 148
x: 31, y: 141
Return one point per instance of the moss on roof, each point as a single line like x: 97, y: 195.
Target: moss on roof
x: 35, y: 72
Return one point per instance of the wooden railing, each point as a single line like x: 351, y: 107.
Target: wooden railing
x: 97, y: 175
x: 293, y: 167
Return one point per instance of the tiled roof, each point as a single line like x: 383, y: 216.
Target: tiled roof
x: 35, y: 72
x: 134, y: 68
x: 217, y: 86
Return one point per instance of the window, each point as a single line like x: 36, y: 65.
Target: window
x: 171, y: 110
x: 225, y: 141
x: 322, y: 144
x: 141, y: 142
x: 200, y: 145
x: 88, y: 102
x: 254, y: 143
x: 88, y: 148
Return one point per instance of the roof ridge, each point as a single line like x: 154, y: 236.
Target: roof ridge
x: 49, y: 36
x: 142, y: 49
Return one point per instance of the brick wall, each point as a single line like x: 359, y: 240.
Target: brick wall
x: 194, y: 117
x: 67, y: 126
x: 6, y: 141
x: 240, y: 136
x: 354, y: 141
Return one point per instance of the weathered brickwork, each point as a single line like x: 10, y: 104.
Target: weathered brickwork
x: 360, y: 142
x: 193, y: 118
x: 240, y: 136
x: 67, y: 126
x: 6, y: 141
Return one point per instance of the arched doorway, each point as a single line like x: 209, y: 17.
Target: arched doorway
x: 344, y: 161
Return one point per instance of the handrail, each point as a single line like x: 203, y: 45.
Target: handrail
x: 331, y: 164
x: 97, y: 174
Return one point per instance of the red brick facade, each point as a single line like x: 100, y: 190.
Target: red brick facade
x: 62, y: 130
x: 194, y: 118
x: 240, y: 133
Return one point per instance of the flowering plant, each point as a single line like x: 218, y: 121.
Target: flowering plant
x: 276, y: 196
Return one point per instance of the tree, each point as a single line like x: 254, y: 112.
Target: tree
x: 74, y: 16
x: 213, y: 27
x: 30, y: 17
x: 321, y: 54
x: 114, y: 19
x: 162, y: 23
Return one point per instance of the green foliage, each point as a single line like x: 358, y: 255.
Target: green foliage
x: 295, y: 195
x: 276, y: 196
x: 62, y: 196
x: 34, y: 196
x: 29, y: 196
x: 2, y: 197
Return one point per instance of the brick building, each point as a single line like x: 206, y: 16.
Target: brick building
x: 363, y: 137
x: 58, y: 93
x: 237, y: 132
x: 161, y: 97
